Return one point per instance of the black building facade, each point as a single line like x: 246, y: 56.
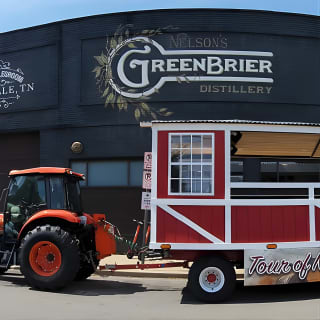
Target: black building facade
x: 92, y: 80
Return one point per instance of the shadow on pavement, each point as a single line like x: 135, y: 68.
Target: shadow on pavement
x: 90, y: 287
x: 264, y: 294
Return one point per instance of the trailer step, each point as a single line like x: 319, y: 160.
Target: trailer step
x: 6, y: 257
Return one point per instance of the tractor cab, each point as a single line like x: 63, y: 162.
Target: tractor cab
x: 35, y: 190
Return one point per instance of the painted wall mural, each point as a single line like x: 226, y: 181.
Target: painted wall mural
x: 12, y: 84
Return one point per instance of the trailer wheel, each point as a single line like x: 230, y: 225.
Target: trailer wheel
x: 212, y: 279
x: 49, y: 257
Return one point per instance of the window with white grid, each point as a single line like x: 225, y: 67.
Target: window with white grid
x: 191, y: 163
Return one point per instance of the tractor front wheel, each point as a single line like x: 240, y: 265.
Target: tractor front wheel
x: 49, y: 257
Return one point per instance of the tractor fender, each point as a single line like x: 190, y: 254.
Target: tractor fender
x: 65, y: 215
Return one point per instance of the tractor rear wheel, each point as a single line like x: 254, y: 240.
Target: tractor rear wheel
x: 49, y: 257
x: 85, y: 271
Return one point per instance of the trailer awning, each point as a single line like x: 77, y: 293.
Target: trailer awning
x: 278, y: 144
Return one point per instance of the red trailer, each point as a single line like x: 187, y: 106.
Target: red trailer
x: 199, y: 214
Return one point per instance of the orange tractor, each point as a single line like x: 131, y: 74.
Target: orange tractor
x: 44, y: 230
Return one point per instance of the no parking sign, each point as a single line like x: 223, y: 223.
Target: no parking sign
x: 146, y: 183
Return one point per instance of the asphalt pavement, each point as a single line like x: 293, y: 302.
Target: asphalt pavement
x: 122, y: 298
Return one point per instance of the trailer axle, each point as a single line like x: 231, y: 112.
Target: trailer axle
x: 142, y: 266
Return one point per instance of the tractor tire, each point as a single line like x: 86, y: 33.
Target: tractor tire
x: 86, y: 270
x: 49, y: 257
x: 211, y: 279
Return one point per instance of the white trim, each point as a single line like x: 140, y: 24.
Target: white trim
x: 153, y: 223
x: 312, y: 223
x: 154, y: 179
x: 234, y: 246
x: 227, y: 179
x: 236, y: 202
x: 154, y: 174
x: 190, y: 224
x: 227, y: 168
x: 235, y: 127
x: 301, y: 185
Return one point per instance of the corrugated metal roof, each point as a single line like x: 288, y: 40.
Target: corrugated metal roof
x: 237, y: 121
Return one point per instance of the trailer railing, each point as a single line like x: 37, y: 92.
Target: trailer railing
x: 282, y: 190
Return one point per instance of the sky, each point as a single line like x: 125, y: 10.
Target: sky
x: 18, y: 14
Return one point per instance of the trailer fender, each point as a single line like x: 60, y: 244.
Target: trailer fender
x: 45, y: 214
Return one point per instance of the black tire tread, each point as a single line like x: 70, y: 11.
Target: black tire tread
x: 70, y: 257
x: 85, y: 271
x: 213, y: 261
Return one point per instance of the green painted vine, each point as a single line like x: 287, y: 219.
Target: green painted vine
x: 103, y: 74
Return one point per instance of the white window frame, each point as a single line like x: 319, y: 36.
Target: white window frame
x: 191, y: 194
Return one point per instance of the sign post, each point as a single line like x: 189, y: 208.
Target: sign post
x: 146, y: 196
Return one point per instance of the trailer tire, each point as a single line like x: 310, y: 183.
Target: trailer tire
x: 211, y: 279
x: 49, y: 257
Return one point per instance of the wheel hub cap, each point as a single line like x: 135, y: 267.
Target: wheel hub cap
x: 45, y: 258
x: 211, y: 279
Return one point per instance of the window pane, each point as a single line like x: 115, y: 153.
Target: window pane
x: 196, y: 155
x: 186, y: 171
x: 196, y: 171
x: 186, y: 185
x: 207, y: 142
x: 29, y: 189
x: 206, y: 157
x: 108, y: 173
x: 175, y: 142
x: 136, y: 172
x: 186, y: 155
x: 196, y: 141
x: 196, y: 186
x: 175, y: 185
x: 175, y: 155
x: 186, y: 142
x: 80, y: 167
x: 206, y: 186
x: 206, y: 171
x: 175, y: 171
x: 58, y: 197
